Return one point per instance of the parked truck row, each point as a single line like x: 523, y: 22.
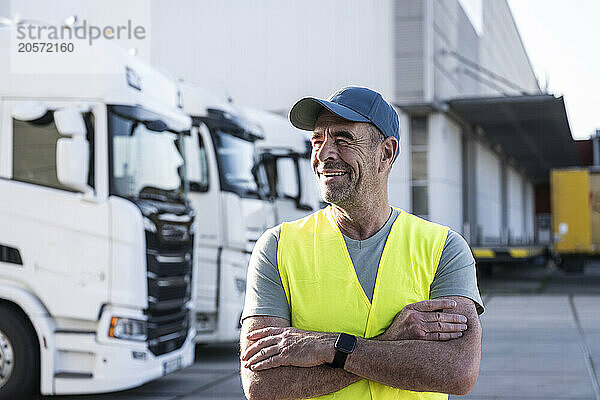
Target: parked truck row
x: 129, y: 204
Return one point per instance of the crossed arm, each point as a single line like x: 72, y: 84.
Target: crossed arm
x: 422, y: 350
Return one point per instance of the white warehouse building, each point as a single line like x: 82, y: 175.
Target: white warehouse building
x: 479, y: 136
x: 456, y: 70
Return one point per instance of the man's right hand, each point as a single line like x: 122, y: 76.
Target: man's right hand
x: 426, y: 320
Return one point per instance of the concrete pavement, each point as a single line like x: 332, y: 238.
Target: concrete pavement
x: 540, y: 347
x: 541, y: 340
x: 534, y: 347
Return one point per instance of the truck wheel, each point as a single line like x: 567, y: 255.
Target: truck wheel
x: 19, y: 357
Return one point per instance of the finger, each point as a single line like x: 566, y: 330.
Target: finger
x: 443, y: 327
x: 442, y: 336
x: 261, y: 333
x: 259, y: 345
x: 442, y: 317
x: 261, y: 355
x: 271, y: 362
x: 435, y: 304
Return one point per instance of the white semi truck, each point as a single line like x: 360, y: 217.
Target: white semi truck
x: 229, y: 199
x: 284, y: 156
x: 96, y: 239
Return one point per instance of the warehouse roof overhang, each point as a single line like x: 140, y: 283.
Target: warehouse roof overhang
x: 532, y: 129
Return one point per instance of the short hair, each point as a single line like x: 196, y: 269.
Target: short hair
x: 375, y: 135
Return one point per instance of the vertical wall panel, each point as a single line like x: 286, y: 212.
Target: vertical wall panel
x: 489, y: 195
x: 399, y: 179
x: 516, y: 212
x: 445, y: 172
x: 408, y: 50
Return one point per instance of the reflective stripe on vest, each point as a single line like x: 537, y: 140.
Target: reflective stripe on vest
x: 324, y: 293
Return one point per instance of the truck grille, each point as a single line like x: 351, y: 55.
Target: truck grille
x: 169, y: 263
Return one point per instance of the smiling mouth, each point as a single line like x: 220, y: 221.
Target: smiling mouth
x: 330, y: 174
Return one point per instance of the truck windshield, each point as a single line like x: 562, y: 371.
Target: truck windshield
x: 236, y: 160
x: 144, y: 162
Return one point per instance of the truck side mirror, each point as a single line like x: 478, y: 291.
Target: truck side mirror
x: 191, y: 146
x: 69, y: 122
x: 72, y: 153
x: 72, y: 160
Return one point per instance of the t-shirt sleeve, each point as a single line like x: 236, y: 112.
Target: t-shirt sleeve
x: 264, y: 291
x: 456, y: 274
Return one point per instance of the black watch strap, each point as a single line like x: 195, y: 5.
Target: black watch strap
x: 344, y: 345
x: 339, y: 360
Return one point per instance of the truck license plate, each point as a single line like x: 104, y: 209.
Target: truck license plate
x: 171, y: 365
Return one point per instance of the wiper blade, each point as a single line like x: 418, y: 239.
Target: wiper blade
x: 240, y: 180
x: 158, y: 194
x: 153, y: 196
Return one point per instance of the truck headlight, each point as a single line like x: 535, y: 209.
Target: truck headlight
x: 128, y: 329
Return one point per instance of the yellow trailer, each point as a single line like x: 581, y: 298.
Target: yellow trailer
x: 575, y: 197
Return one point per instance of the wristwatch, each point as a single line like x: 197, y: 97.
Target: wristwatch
x: 344, y: 345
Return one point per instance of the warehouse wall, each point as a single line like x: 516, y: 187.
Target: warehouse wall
x: 445, y: 172
x: 529, y: 211
x: 477, y: 51
x: 409, y: 54
x: 515, y: 206
x: 490, y: 60
x: 502, y: 51
x: 269, y: 53
x: 399, y: 179
x: 453, y: 32
x: 488, y: 194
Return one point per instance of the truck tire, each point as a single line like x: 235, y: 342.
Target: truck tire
x: 19, y: 357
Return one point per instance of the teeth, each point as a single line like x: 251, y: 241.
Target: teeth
x: 334, y: 173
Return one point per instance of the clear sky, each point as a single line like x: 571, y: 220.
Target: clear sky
x: 562, y: 38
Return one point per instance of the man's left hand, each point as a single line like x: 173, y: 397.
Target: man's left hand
x: 276, y: 347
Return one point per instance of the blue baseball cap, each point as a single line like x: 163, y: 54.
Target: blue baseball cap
x: 353, y: 103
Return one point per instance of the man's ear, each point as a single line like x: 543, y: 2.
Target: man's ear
x: 388, y: 153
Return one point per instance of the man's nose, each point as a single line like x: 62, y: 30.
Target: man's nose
x: 327, y: 150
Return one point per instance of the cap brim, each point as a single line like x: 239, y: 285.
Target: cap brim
x: 305, y: 112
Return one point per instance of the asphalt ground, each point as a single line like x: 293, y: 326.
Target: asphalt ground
x: 541, y: 340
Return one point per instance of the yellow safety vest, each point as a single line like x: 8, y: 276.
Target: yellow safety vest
x: 324, y: 294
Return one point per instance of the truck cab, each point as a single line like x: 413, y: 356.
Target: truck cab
x: 284, y: 156
x: 227, y: 192
x: 96, y: 242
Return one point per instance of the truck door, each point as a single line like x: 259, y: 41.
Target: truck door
x: 288, y: 189
x: 310, y: 193
x: 203, y: 176
x: 290, y: 186
x: 60, y: 232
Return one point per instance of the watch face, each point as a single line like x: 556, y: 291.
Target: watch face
x: 345, y: 343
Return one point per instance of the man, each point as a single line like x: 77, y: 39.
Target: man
x: 358, y: 300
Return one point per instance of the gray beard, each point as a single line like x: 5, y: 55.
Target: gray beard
x: 335, y: 195
x: 346, y: 193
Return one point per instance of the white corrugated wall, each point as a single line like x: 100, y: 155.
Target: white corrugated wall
x: 445, y: 172
x: 489, y: 193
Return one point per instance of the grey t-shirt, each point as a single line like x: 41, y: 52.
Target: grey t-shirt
x: 455, y: 275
